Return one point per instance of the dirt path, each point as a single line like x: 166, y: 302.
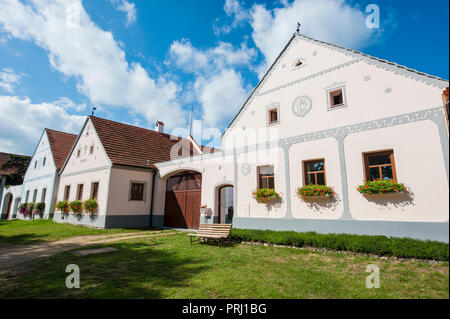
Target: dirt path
x: 12, y: 256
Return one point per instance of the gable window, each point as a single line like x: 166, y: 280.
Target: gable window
x: 80, y: 192
x: 34, y: 195
x: 27, y: 196
x: 272, y: 116
x: 94, y: 190
x: 314, y: 172
x: 78, y: 153
x: 91, y: 150
x: 266, y: 178
x: 44, y: 192
x: 137, y: 191
x: 336, y: 98
x: 380, y: 165
x: 43, y: 161
x: 66, y: 192
x: 298, y: 63
x: 35, y: 164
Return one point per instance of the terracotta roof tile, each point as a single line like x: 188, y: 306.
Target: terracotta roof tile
x: 136, y: 146
x: 5, y: 157
x: 60, y: 143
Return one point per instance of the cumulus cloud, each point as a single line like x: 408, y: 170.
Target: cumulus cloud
x: 332, y: 21
x: 236, y: 13
x: 9, y: 79
x: 218, y: 85
x: 128, y: 8
x: 78, y: 48
x: 23, y: 122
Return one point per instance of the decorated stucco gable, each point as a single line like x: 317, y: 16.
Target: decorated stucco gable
x: 372, y: 86
x: 87, y: 153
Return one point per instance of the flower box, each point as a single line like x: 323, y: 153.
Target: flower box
x: 311, y: 192
x: 265, y: 195
x: 381, y: 187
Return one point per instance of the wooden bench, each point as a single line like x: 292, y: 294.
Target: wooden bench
x: 215, y: 232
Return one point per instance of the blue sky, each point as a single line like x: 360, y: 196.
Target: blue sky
x: 139, y: 61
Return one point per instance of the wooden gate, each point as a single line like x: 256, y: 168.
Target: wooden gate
x: 183, y: 197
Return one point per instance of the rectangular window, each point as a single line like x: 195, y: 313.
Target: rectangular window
x: 314, y: 172
x: 91, y: 150
x: 380, y: 165
x: 27, y: 196
x: 273, y: 116
x: 67, y: 192
x: 78, y: 153
x: 35, y: 164
x: 43, y: 161
x: 34, y: 195
x: 80, y: 192
x: 266, y: 178
x: 94, y: 190
x: 137, y: 191
x: 336, y: 98
x: 44, y: 193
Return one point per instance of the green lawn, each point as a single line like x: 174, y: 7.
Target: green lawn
x: 27, y: 232
x: 169, y: 267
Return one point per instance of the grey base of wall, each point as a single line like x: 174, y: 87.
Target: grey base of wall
x: 417, y: 230
x: 108, y: 221
x: 158, y: 220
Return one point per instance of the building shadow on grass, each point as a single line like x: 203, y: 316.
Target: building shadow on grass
x: 135, y: 270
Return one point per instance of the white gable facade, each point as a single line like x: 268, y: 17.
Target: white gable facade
x: 337, y: 106
x: 40, y: 180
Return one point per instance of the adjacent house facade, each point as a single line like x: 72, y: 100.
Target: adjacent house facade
x: 12, y: 170
x: 114, y: 163
x: 41, y: 178
x: 326, y: 115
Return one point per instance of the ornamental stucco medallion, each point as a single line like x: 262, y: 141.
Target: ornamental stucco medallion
x: 245, y: 169
x: 302, y: 105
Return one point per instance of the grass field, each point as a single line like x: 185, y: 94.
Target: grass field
x: 27, y: 232
x: 169, y: 267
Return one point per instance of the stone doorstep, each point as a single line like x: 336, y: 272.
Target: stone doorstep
x: 94, y: 251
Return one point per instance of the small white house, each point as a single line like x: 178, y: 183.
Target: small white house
x: 41, y: 178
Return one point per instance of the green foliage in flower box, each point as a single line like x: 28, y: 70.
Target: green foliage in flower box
x: 90, y: 206
x: 315, y: 190
x: 63, y: 206
x: 76, y: 207
x: 265, y: 195
x: 385, y: 186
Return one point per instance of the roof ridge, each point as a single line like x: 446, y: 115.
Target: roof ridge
x: 61, y: 132
x: 374, y: 58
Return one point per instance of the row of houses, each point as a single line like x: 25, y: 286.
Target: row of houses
x: 322, y: 114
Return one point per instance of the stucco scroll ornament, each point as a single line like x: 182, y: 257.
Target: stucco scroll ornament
x: 302, y: 105
x: 245, y: 169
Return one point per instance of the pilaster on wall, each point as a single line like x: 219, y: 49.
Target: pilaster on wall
x: 438, y: 118
x: 340, y: 136
x: 286, y: 145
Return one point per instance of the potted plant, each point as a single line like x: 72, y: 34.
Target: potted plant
x: 63, y: 207
x: 313, y: 191
x: 29, y: 209
x: 90, y: 206
x: 39, y: 208
x: 381, y: 187
x: 265, y: 195
x: 22, y: 208
x: 76, y: 207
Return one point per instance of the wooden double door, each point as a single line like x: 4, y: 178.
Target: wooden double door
x: 183, y: 198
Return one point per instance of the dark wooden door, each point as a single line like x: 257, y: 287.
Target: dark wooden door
x: 183, y: 197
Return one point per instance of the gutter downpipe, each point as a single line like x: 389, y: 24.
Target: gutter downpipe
x: 153, y: 196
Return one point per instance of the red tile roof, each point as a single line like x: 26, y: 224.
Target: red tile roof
x: 134, y: 146
x: 60, y: 143
x: 20, y: 168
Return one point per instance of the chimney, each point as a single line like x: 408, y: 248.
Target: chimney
x: 159, y: 127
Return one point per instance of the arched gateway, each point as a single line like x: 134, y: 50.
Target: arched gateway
x: 183, y: 197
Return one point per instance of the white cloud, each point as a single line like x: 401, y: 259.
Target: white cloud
x: 78, y: 48
x: 69, y: 105
x: 218, y: 86
x: 236, y: 15
x: 23, y: 122
x: 9, y: 79
x: 221, y: 96
x: 192, y: 60
x: 128, y: 8
x: 328, y: 20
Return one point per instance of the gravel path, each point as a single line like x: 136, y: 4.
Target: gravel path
x: 14, y: 255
